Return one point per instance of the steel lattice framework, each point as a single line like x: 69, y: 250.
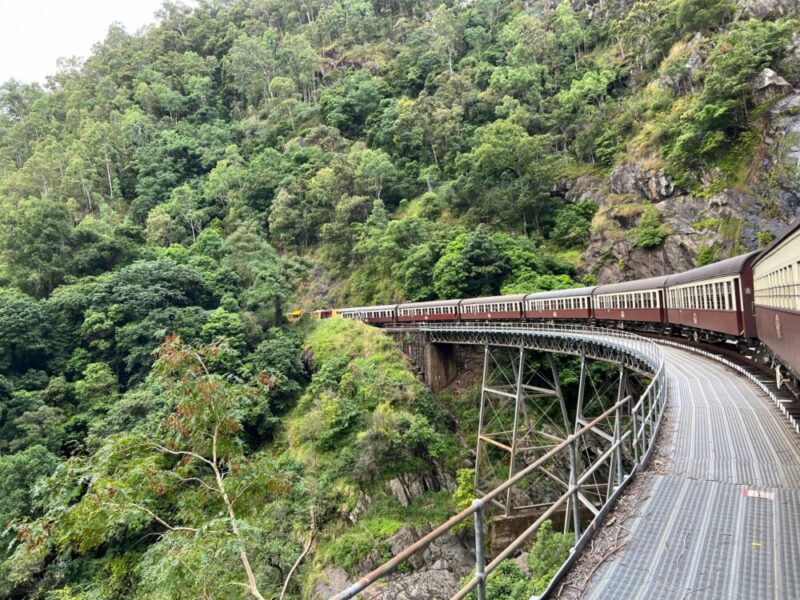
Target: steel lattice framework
x: 525, y: 423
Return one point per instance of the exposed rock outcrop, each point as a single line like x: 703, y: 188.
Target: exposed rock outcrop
x: 766, y: 9
x: 789, y: 66
x: 407, y: 487
x: 689, y: 65
x: 436, y: 570
x: 633, y: 179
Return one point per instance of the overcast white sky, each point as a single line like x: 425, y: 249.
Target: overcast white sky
x: 35, y: 33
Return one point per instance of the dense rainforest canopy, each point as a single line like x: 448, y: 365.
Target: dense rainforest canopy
x: 164, y: 432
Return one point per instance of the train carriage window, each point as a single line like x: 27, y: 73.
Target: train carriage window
x: 731, y: 296
x: 795, y: 289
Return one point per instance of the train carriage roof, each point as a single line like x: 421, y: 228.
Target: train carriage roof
x: 722, y: 268
x: 792, y: 228
x: 567, y: 293
x: 360, y: 308
x: 491, y: 299
x: 428, y: 304
x: 637, y: 285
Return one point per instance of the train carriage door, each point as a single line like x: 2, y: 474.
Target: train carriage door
x: 737, y: 304
x: 661, y: 305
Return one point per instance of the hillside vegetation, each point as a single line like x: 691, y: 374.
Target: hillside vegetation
x: 164, y: 432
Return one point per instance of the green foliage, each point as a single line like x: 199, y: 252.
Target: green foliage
x: 649, y: 231
x: 24, y: 330
x: 472, y: 265
x: 548, y: 553
x: 706, y: 254
x: 200, y: 177
x: 764, y: 238
x: 713, y: 117
x: 701, y: 15
x: 573, y: 223
x: 19, y: 473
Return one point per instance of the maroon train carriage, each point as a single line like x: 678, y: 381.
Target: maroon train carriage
x: 776, y: 276
x: 437, y: 310
x: 639, y: 301
x: 493, y: 308
x: 716, y: 298
x: 572, y: 304
x: 374, y: 315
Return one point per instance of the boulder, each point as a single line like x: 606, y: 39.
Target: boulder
x: 768, y: 85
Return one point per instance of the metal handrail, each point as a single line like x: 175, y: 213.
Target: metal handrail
x: 646, y: 421
x: 644, y: 346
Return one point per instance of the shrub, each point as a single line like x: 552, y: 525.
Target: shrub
x: 650, y: 232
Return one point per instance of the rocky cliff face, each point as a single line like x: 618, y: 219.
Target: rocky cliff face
x: 726, y: 223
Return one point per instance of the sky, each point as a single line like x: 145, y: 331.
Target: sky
x: 35, y: 33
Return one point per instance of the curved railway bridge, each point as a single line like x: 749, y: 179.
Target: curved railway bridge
x: 719, y: 519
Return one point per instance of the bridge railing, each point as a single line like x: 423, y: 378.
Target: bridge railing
x: 637, y: 440
x: 643, y: 346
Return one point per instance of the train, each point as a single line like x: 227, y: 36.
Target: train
x: 751, y: 301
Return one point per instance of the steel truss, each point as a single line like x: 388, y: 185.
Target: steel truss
x: 527, y: 424
x: 523, y: 414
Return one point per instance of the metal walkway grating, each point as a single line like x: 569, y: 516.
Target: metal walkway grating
x: 723, y: 520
